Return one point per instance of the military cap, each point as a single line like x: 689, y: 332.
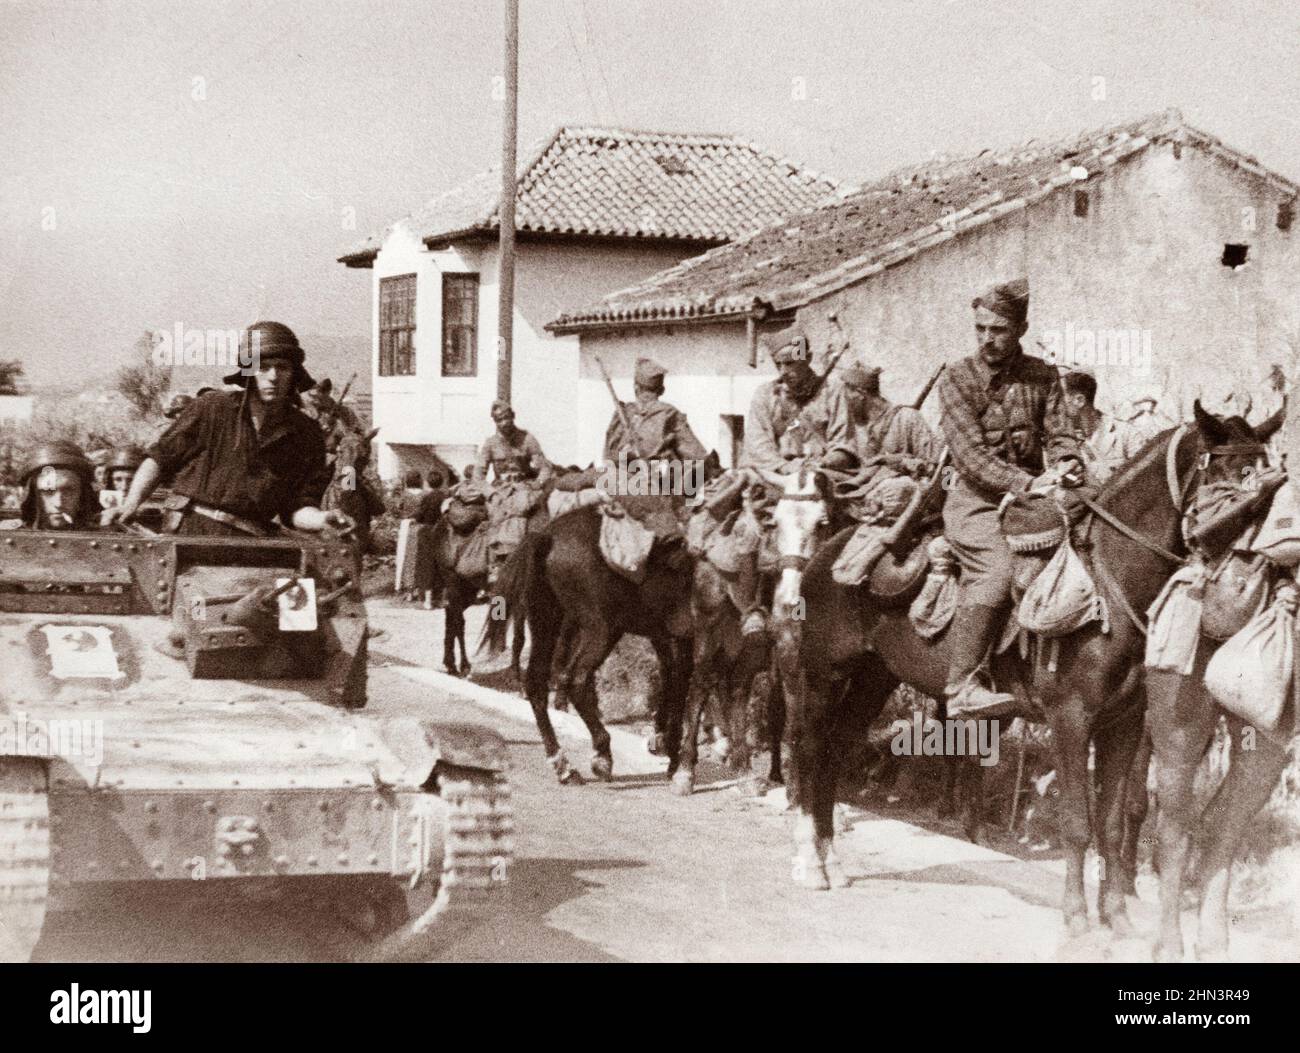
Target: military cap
x: 861, y: 378
x: 1010, y: 300
x: 268, y: 342
x: 791, y: 346
x: 648, y: 371
x: 130, y: 457
x: 501, y: 406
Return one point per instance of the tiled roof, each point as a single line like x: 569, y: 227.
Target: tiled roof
x: 618, y: 183
x: 809, y: 255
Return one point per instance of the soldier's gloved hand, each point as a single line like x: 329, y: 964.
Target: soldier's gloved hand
x: 118, y: 514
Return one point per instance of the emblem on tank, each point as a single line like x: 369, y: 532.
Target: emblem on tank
x: 81, y: 651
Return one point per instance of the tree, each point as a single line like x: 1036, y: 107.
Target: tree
x: 11, y: 371
x: 143, y: 382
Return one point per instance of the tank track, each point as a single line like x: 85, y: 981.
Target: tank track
x: 478, y: 849
x: 24, y: 856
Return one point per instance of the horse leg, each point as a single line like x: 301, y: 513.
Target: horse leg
x: 1251, y: 779
x: 564, y: 679
x: 814, y: 824
x: 1070, y: 742
x: 468, y: 593
x: 537, y: 688
x: 970, y: 793
x: 453, y: 625
x: 594, y: 643
x: 739, y: 727
x: 1181, y: 719
x: 706, y: 656
x: 516, y: 654
x: 1137, y: 803
x: 1117, y: 743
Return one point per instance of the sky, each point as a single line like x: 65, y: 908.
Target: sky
x: 170, y: 161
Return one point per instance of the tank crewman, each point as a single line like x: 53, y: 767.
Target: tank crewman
x: 58, y: 492
x: 797, y: 419
x: 123, y: 465
x: 1005, y: 423
x: 240, y: 460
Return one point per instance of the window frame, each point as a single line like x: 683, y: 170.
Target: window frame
x: 453, y: 280
x: 389, y: 356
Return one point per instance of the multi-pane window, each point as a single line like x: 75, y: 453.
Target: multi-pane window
x: 459, y: 325
x: 397, y: 326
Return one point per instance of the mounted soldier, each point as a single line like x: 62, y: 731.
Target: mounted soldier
x: 894, y: 444
x: 516, y: 498
x: 1007, y: 432
x: 242, y: 460
x: 661, y: 436
x: 799, y: 420
x: 58, y: 492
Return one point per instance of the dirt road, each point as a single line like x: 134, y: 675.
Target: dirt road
x: 626, y: 871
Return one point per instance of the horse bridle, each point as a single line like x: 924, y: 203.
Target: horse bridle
x: 1178, y: 494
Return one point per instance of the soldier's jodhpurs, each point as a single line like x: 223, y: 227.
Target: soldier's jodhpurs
x: 971, y: 525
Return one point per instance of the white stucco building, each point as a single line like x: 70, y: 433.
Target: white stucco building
x: 597, y: 209
x: 1158, y: 257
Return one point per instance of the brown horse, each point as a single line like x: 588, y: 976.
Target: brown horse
x: 559, y: 584
x: 1182, y: 716
x: 848, y: 648
x: 349, y: 491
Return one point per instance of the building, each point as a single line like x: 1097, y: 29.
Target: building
x: 1158, y: 257
x: 596, y: 210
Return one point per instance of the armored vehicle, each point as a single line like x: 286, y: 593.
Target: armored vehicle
x: 188, y: 708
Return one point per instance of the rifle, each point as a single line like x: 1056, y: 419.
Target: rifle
x: 620, y: 409
x: 919, y: 401
x: 899, y: 536
x: 338, y: 403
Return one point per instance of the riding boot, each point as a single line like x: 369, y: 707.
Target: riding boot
x: 971, y: 634
x: 748, y: 585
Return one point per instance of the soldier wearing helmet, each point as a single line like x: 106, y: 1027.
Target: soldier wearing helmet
x: 58, y: 493
x: 122, y: 466
x: 243, y: 461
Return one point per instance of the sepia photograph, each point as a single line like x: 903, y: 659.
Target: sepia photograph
x: 649, y: 481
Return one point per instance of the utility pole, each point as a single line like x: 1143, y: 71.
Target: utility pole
x: 506, y: 210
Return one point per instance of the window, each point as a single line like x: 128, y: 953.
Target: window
x: 460, y: 325
x: 397, y: 326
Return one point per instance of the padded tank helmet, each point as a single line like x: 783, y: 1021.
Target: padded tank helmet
x: 58, y: 454
x: 127, y: 457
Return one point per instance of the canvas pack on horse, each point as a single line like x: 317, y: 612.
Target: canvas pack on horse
x: 349, y: 491
x: 850, y: 647
x: 1183, y: 714
x: 560, y: 585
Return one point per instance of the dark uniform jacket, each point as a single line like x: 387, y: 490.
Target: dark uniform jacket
x: 216, y: 457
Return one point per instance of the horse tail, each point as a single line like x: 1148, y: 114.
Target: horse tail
x: 508, y: 606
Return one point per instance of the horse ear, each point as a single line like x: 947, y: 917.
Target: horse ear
x: 1267, y: 429
x: 370, y: 435
x: 1210, y: 427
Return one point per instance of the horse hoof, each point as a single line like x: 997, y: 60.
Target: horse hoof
x: 564, y: 771
x: 754, y: 786
x: 836, y: 876
x: 683, y: 783
x: 1165, y: 953
x: 602, y: 767
x: 466, y: 669
x: 1120, y: 925
x: 813, y: 879
x: 1076, y: 925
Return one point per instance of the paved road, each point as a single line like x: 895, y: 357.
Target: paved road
x: 626, y: 871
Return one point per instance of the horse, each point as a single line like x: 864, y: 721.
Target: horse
x: 727, y: 662
x: 559, y: 585
x: 848, y: 648
x: 460, y: 591
x: 348, y: 490
x: 1182, y: 717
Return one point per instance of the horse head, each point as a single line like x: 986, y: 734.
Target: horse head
x: 802, y: 509
x: 1230, y: 449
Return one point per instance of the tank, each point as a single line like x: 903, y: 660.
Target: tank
x: 179, y: 709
